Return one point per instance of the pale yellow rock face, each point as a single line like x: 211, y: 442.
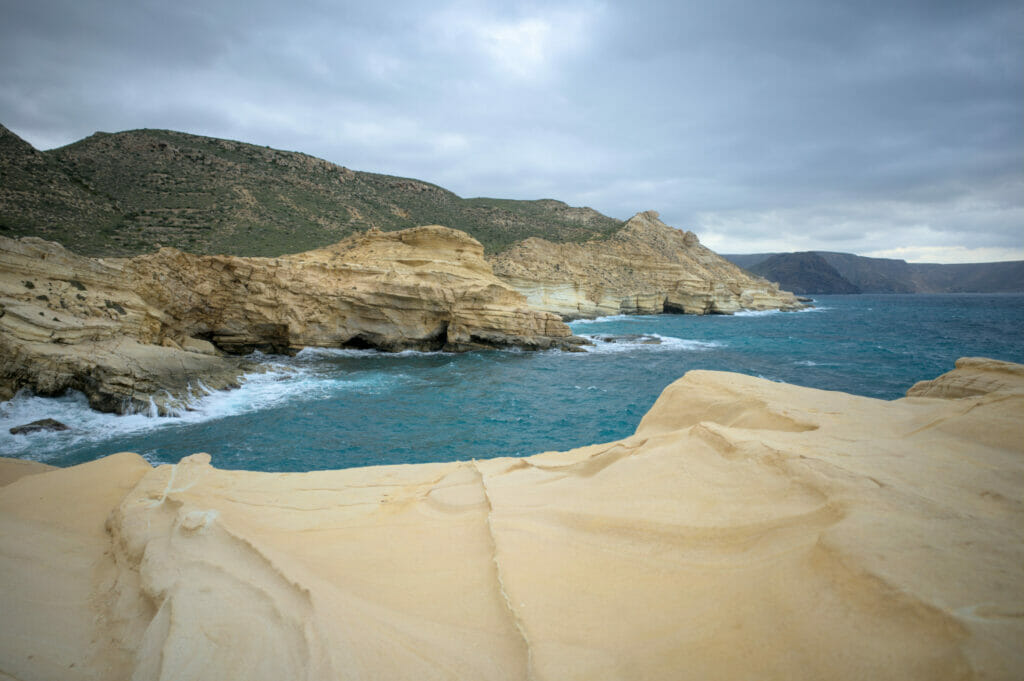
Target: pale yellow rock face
x: 646, y: 268
x: 972, y: 376
x: 128, y: 331
x: 425, y: 288
x: 749, y: 529
x: 72, y: 322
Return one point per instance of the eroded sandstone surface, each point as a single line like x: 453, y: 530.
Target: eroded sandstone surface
x: 645, y: 268
x: 748, y: 529
x: 128, y: 332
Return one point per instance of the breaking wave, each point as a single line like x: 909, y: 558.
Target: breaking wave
x: 654, y: 342
x: 258, y: 392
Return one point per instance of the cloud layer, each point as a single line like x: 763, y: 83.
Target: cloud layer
x: 876, y: 128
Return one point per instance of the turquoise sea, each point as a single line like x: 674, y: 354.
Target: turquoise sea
x: 340, y: 408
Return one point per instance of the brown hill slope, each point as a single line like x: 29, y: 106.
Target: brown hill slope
x: 38, y: 197
x: 127, y: 192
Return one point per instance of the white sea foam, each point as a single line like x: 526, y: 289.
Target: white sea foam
x: 769, y: 313
x: 653, y: 342
x: 756, y: 313
x: 326, y: 353
x: 257, y: 392
x: 599, y: 320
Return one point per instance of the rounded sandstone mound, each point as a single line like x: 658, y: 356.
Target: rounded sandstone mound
x: 748, y: 529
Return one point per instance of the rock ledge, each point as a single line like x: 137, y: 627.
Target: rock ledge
x: 139, y: 333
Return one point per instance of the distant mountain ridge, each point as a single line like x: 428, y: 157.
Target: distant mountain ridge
x: 827, y: 272
x: 126, y: 193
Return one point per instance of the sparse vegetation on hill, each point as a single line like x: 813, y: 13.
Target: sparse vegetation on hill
x: 125, y: 193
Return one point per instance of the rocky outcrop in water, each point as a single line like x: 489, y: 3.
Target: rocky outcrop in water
x: 40, y: 426
x: 747, y: 530
x: 148, y: 329
x: 645, y: 268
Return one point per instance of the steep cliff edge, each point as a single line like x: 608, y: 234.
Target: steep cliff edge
x: 748, y: 529
x: 645, y: 268
x: 128, y: 332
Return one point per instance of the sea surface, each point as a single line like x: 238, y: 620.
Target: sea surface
x: 325, y: 409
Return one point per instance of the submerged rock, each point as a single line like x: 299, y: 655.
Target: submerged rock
x: 39, y: 426
x: 637, y: 338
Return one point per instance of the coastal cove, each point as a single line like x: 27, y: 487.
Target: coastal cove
x: 329, y: 409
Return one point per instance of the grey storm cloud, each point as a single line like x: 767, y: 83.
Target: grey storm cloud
x: 873, y: 127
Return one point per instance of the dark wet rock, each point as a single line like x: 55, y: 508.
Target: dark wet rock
x: 631, y: 338
x: 39, y: 426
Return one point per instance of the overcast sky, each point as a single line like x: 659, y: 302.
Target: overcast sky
x: 887, y: 128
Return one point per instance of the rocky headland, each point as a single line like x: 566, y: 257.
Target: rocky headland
x: 646, y: 267
x: 748, y: 529
x: 143, y: 332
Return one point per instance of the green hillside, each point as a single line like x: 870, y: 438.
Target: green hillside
x: 37, y: 197
x: 125, y: 193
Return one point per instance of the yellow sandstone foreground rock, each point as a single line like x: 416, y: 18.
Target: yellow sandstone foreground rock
x: 126, y: 332
x: 645, y: 268
x: 749, y: 529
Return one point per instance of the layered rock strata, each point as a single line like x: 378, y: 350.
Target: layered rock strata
x: 748, y: 529
x: 147, y: 329
x: 645, y: 268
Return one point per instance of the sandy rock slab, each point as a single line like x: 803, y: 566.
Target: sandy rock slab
x: 748, y: 529
x: 647, y: 267
x: 146, y: 332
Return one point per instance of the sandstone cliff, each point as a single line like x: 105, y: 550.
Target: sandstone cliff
x: 128, y: 332
x: 749, y: 529
x: 645, y: 268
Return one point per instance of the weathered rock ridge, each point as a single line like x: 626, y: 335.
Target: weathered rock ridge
x: 748, y: 529
x: 645, y: 268
x: 128, y: 332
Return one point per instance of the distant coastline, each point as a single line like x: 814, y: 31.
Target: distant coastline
x: 826, y: 272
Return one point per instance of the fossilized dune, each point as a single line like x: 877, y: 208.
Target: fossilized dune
x: 128, y: 332
x: 646, y: 267
x: 748, y: 529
